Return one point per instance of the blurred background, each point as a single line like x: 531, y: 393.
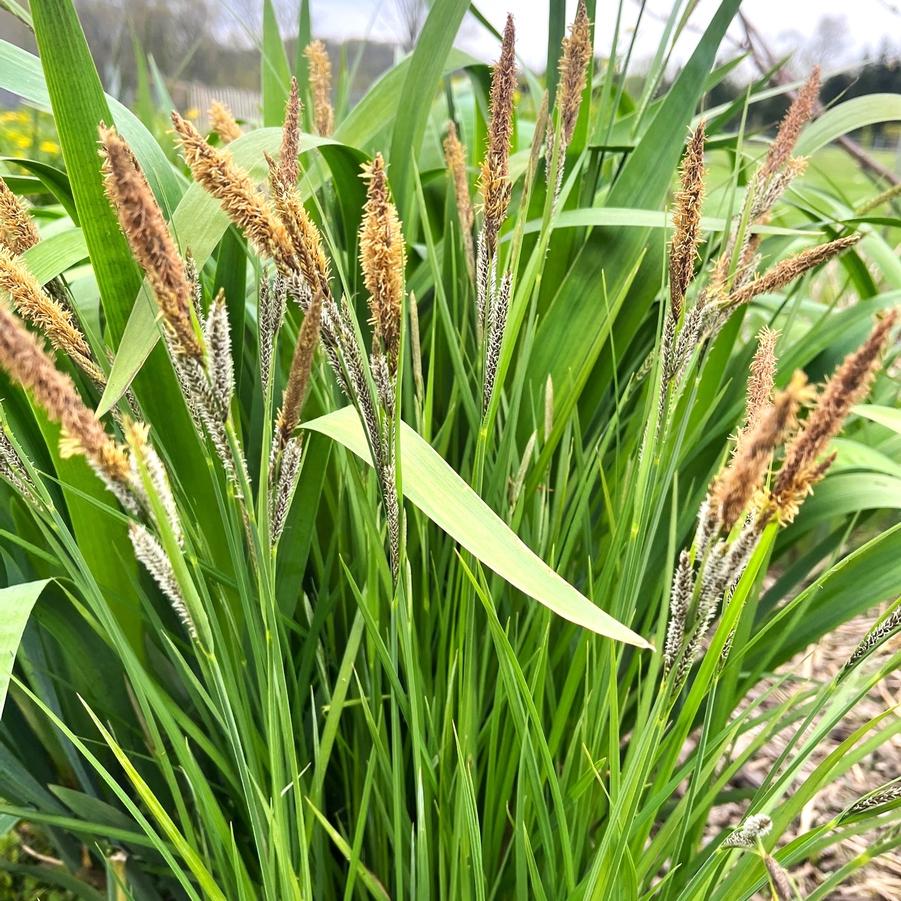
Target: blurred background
x: 201, y: 49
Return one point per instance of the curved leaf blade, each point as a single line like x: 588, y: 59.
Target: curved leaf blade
x: 432, y: 486
x: 16, y: 603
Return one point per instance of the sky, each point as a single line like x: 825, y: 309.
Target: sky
x: 784, y: 23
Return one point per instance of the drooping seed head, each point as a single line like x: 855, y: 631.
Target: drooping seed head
x: 321, y: 87
x: 788, y: 270
x: 223, y: 122
x: 687, y: 221
x: 215, y: 170
x: 17, y: 229
x: 383, y: 259
x: 849, y: 384
x: 27, y: 364
x: 734, y: 487
x: 148, y: 236
x: 45, y: 313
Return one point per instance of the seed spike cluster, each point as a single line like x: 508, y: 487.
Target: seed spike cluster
x: 45, y: 313
x: 573, y: 67
x: 495, y: 179
x: 151, y: 243
x: 799, y: 114
x: 223, y: 122
x: 738, y: 482
x: 802, y: 466
x: 687, y: 221
x: 217, y: 172
x: 321, y: 87
x: 383, y: 260
x: 17, y: 229
x: 27, y: 364
x: 455, y: 158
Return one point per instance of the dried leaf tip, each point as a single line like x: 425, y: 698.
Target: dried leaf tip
x: 799, y: 114
x: 455, y: 157
x: 383, y: 259
x: 573, y: 65
x: 321, y: 86
x: 687, y: 221
x: 495, y: 178
x: 17, y: 229
x: 148, y: 236
x: 223, y: 122
x: 802, y: 467
x: 215, y: 170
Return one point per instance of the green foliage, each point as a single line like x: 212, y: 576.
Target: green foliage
x: 482, y: 709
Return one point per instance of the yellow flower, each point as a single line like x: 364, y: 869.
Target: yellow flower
x: 8, y: 116
x: 22, y: 141
x: 48, y: 147
x: 192, y: 113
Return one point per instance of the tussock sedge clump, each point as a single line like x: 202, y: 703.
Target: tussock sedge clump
x: 470, y: 530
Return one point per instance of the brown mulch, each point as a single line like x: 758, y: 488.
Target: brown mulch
x: 880, y: 878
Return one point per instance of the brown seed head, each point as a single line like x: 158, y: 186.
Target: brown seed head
x: 848, y: 385
x: 216, y: 171
x: 734, y: 487
x: 148, y: 236
x: 573, y: 64
x: 495, y: 178
x: 284, y: 175
x: 383, y: 259
x: 798, y: 115
x: 223, y: 122
x: 46, y: 314
x: 311, y: 260
x: 22, y: 357
x: 762, y: 376
x: 321, y: 87
x: 455, y: 157
x: 17, y: 229
x: 299, y: 375
x: 788, y: 270
x: 687, y: 221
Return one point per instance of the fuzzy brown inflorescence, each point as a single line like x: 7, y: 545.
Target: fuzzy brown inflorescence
x: 762, y: 376
x: 45, y: 313
x: 573, y: 66
x: 321, y: 87
x: 151, y: 243
x: 788, y: 270
x: 737, y: 483
x: 17, y: 229
x: 802, y: 467
x: 687, y: 221
x: 455, y: 158
x: 217, y: 172
x: 383, y: 260
x: 22, y: 357
x: 284, y: 175
x: 798, y: 115
x: 495, y: 178
x: 223, y: 122
x: 299, y: 374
